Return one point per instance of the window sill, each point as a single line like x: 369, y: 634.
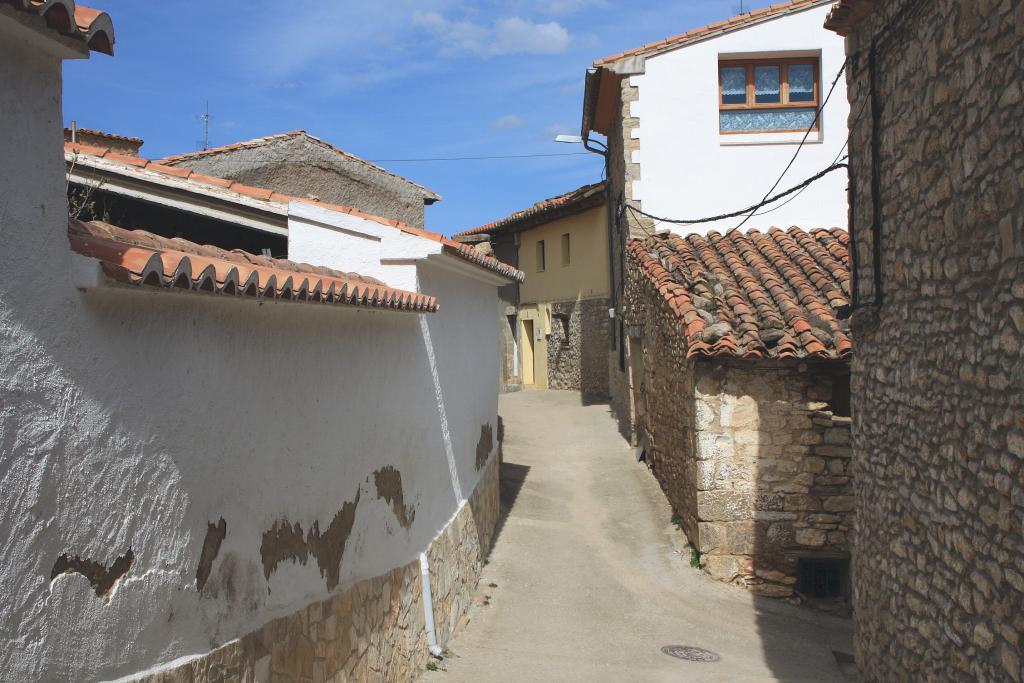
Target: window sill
x: 787, y: 138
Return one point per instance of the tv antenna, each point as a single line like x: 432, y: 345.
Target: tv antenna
x: 205, y: 118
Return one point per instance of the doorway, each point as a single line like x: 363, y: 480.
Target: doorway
x: 526, y: 344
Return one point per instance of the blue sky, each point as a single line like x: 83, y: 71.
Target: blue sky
x: 383, y: 79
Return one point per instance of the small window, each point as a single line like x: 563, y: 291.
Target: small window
x: 768, y: 96
x: 540, y: 256
x: 565, y: 249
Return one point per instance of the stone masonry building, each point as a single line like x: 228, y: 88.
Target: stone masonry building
x: 739, y: 393
x: 555, y: 325
x: 937, y: 223
x: 299, y: 164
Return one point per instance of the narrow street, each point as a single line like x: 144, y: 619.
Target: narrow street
x: 588, y: 579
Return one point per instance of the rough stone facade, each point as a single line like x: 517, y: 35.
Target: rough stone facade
x: 578, y: 360
x: 938, y: 379
x: 375, y: 630
x: 756, y: 465
x: 623, y: 141
x: 303, y: 166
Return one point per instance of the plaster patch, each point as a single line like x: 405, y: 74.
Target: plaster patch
x: 389, y: 487
x: 102, y: 579
x: 484, y: 446
x: 284, y: 541
x: 215, y: 534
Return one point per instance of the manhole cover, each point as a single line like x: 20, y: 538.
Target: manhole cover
x: 690, y: 653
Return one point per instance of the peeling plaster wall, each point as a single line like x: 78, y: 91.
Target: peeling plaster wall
x: 134, y: 419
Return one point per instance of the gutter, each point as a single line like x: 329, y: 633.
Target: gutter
x: 428, y: 608
x: 591, y: 93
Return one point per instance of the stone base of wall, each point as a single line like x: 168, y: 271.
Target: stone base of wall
x: 374, y: 630
x: 578, y: 361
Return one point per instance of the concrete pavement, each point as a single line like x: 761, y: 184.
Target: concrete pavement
x: 591, y: 579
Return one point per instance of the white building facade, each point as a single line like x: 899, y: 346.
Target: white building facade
x: 714, y: 116
x: 235, y: 481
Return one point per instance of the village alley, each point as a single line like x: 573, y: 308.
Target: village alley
x: 589, y: 579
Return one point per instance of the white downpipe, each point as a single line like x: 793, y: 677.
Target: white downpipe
x: 428, y: 607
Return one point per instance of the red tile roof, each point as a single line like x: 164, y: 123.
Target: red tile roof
x: 716, y: 29
x: 452, y: 247
x: 259, y: 142
x: 93, y: 28
x: 566, y: 204
x: 139, y: 258
x: 780, y: 294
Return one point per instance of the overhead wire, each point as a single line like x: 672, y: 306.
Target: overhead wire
x: 814, y: 125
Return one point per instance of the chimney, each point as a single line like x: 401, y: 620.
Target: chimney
x: 97, y: 138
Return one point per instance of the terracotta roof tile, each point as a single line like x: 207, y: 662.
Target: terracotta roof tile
x: 139, y: 258
x: 92, y: 27
x: 719, y: 27
x: 780, y: 294
x: 258, y: 142
x: 847, y: 14
x: 580, y: 199
x: 452, y: 247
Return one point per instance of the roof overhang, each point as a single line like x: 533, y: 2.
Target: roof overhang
x: 178, y: 193
x: 847, y: 14
x: 33, y: 29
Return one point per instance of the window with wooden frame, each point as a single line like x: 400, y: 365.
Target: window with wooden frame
x: 565, y: 249
x: 540, y: 256
x: 768, y: 95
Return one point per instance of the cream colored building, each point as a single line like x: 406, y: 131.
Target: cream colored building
x: 555, y: 324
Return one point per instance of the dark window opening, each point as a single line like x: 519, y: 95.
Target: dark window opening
x: 823, y: 578
x: 840, y: 402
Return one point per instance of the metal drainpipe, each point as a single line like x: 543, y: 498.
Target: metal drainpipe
x: 608, y: 230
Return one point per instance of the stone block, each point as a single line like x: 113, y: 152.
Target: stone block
x: 711, y: 537
x: 724, y: 506
x: 724, y: 567
x: 811, y: 537
x: 741, y: 538
x: 840, y: 504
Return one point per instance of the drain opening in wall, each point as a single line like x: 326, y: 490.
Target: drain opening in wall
x: 690, y: 653
x: 823, y: 577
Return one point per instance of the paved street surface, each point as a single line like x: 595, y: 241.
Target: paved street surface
x: 590, y: 581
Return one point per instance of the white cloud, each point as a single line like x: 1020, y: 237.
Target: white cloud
x: 507, y: 122
x: 511, y: 35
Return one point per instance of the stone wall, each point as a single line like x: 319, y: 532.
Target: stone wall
x: 938, y: 378
x: 374, y: 630
x: 623, y: 141
x: 303, y: 167
x: 751, y: 458
x: 578, y: 360
x: 772, y: 469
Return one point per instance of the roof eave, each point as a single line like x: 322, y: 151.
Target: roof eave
x: 847, y: 14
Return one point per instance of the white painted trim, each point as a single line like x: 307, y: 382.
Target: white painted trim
x: 461, y: 266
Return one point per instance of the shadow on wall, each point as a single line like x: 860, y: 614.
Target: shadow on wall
x: 799, y: 534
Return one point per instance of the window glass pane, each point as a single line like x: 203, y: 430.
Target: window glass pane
x: 565, y: 249
x: 767, y: 85
x: 734, y: 84
x: 801, y: 83
x: 769, y: 119
x: 540, y: 255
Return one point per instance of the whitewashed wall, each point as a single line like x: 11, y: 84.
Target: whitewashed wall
x: 689, y: 170
x: 132, y: 419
